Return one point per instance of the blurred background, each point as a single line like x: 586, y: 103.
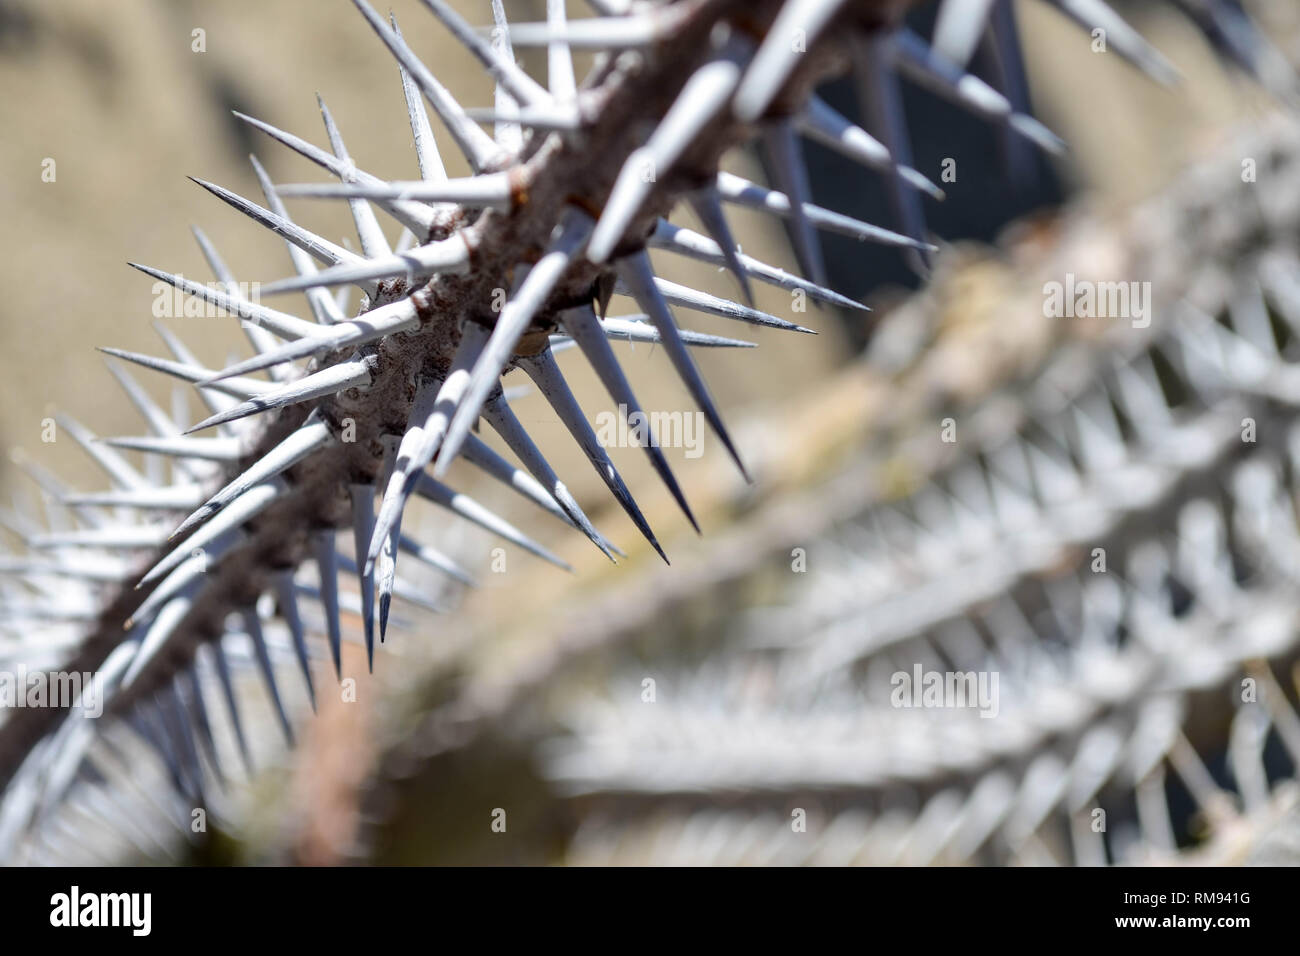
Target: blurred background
x: 107, y: 108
